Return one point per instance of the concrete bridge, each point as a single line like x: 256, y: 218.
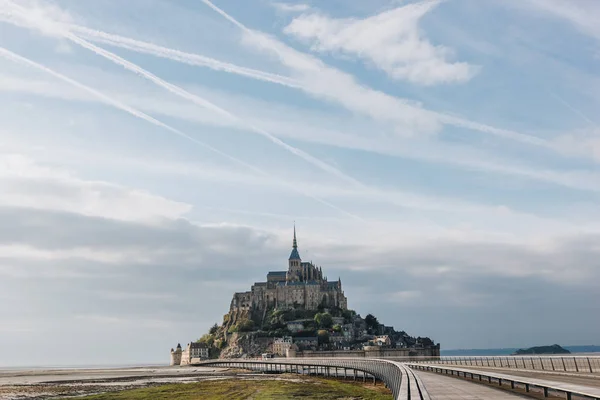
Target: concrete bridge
x: 450, y: 378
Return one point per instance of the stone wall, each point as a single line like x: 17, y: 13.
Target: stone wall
x: 377, y: 352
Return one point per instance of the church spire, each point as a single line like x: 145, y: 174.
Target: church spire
x: 295, y: 255
x: 295, y: 244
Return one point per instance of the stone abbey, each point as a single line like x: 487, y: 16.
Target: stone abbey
x: 302, y: 286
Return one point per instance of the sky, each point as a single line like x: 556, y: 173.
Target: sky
x: 441, y: 157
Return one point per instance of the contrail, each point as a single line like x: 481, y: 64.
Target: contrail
x: 137, y: 113
x: 573, y: 109
x: 447, y: 119
x: 128, y: 65
x: 208, y: 105
x: 217, y: 65
x: 180, y: 56
x: 198, y: 101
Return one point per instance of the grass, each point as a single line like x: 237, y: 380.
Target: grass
x: 255, y: 389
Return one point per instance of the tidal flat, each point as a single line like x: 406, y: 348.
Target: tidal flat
x: 176, y: 383
x: 264, y: 388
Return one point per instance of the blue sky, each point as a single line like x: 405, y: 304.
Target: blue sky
x: 440, y: 156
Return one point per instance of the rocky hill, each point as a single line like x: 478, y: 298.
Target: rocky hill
x: 243, y: 334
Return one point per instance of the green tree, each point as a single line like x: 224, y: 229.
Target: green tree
x: 372, y: 323
x: 207, y: 339
x: 213, y: 329
x: 337, y: 328
x: 276, y: 319
x: 348, y: 316
x: 324, y: 320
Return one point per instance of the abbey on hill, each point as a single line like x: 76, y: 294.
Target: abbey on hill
x: 301, y: 286
x: 300, y: 313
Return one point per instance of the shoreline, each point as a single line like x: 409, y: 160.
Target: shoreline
x: 48, y: 383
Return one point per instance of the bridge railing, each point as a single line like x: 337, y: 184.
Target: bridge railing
x: 582, y: 364
x: 545, y: 388
x: 403, y: 383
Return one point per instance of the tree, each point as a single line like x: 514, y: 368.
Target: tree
x: 323, y: 336
x: 372, y: 323
x: 276, y: 319
x: 207, y: 339
x: 213, y: 329
x: 337, y: 328
x: 348, y: 316
x: 324, y: 320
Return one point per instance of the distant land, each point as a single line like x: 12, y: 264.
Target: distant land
x: 554, y: 349
x: 510, y: 350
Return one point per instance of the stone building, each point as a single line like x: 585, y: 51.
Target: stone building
x: 281, y: 345
x: 176, y: 355
x: 302, y: 286
x: 198, y: 350
x: 193, y: 352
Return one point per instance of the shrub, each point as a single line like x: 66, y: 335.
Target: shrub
x: 324, y: 320
x: 245, y: 325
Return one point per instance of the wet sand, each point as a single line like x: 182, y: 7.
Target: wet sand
x: 53, y: 383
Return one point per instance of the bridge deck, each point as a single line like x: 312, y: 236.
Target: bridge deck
x: 574, y: 388
x: 591, y: 380
x: 442, y: 387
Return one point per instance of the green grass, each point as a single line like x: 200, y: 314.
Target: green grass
x: 261, y: 389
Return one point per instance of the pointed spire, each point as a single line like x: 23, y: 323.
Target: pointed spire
x: 295, y: 244
x: 295, y: 255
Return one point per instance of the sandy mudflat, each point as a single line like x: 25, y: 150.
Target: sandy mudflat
x: 52, y: 383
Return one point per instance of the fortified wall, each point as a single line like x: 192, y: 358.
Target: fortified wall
x: 432, y: 353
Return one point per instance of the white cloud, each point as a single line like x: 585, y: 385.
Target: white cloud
x: 582, y: 14
x: 581, y: 143
x: 25, y: 183
x: 25, y: 252
x: 331, y: 84
x: 316, y: 127
x: 113, y: 201
x: 319, y: 80
x: 391, y: 40
x: 47, y: 18
x: 290, y: 8
x: 176, y: 90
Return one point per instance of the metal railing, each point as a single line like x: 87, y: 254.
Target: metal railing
x: 515, y: 382
x: 587, y: 364
x: 401, y: 380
